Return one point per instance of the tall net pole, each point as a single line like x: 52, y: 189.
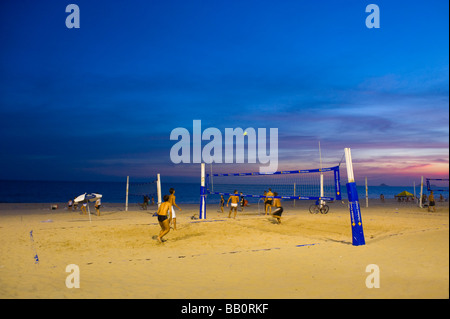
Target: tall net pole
x: 126, y: 196
x: 353, y: 203
x: 158, y: 188
x: 202, y: 213
x: 421, y: 192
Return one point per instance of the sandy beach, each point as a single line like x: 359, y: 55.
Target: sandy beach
x: 307, y: 256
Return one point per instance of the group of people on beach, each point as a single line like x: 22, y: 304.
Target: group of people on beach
x: 167, y: 217
x: 429, y: 200
x: 72, y: 205
x: 270, y: 201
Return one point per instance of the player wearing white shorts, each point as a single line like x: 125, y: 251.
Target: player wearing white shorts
x: 234, y: 203
x: 173, y: 217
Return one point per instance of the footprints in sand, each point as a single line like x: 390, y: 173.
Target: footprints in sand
x: 197, y: 255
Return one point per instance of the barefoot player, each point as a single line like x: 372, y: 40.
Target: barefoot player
x: 173, y: 217
x: 278, y: 209
x: 163, y: 210
x: 234, y: 203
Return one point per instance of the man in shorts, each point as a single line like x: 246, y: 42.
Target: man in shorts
x: 163, y: 210
x: 234, y: 203
x: 242, y: 202
x: 269, y: 201
x: 222, y: 202
x: 173, y: 217
x: 278, y: 209
x: 98, y: 205
x: 432, y: 202
x: 83, y: 208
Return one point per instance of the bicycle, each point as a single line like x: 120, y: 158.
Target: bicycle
x: 316, y: 208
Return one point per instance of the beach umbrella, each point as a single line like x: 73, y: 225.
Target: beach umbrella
x: 86, y: 198
x: 404, y: 194
x: 93, y: 197
x: 80, y: 198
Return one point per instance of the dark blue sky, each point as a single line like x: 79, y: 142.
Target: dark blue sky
x: 99, y: 102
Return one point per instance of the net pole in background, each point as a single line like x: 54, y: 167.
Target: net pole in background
x: 367, y: 193
x: 294, y: 192
x: 126, y: 196
x: 158, y: 188
x: 421, y: 192
x: 353, y: 203
x: 202, y: 213
x: 321, y: 177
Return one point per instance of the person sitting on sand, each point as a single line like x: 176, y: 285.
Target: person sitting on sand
x: 278, y: 210
x: 234, y: 203
x: 162, y: 212
x: 173, y: 217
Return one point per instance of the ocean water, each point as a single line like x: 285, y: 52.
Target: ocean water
x: 115, y: 192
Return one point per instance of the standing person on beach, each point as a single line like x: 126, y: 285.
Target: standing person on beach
x: 278, y: 208
x: 432, y: 202
x: 98, y: 204
x: 162, y: 212
x: 69, y: 204
x: 234, y: 203
x: 173, y: 217
x: 242, y: 202
x: 424, y: 198
x: 269, y: 201
x: 83, y: 208
x: 145, y: 202
x: 222, y: 202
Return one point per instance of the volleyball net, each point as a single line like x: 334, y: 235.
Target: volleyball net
x: 314, y: 184
x: 437, y: 184
x: 143, y: 192
x: 139, y: 190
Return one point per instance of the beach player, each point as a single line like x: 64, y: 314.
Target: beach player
x: 222, y: 202
x: 98, y: 204
x: 163, y: 210
x: 234, y: 203
x: 83, y: 208
x: 269, y: 202
x: 431, y: 202
x: 173, y: 217
x: 242, y: 202
x: 278, y: 209
x: 69, y: 204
